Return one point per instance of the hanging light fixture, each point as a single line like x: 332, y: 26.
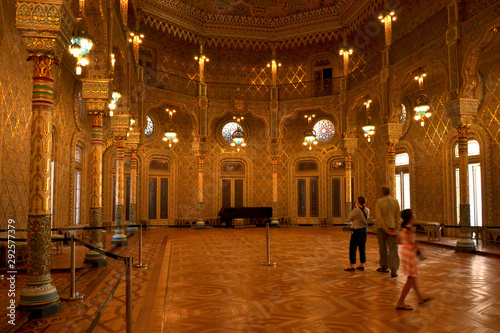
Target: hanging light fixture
x: 368, y: 129
x: 112, y: 105
x: 238, y: 135
x: 171, y: 130
x: 422, y: 108
x: 79, y: 48
x: 309, y: 133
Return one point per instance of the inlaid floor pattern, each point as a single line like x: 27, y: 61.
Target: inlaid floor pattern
x: 212, y: 281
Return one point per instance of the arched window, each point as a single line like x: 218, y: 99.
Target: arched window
x: 324, y: 130
x: 150, y: 127
x: 475, y: 191
x: 472, y: 149
x: 307, y: 166
x: 159, y: 165
x: 228, y: 130
x: 403, y: 180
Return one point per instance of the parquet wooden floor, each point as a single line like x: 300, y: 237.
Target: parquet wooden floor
x: 211, y: 281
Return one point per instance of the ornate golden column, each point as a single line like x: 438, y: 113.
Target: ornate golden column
x: 391, y: 134
x: 132, y: 144
x: 45, y: 27
x: 462, y: 112
x: 274, y: 151
x: 200, y: 150
x: 120, y: 126
x: 348, y: 148
x: 96, y: 95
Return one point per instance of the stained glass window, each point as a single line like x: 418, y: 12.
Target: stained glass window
x: 404, y: 115
x: 149, y: 127
x: 228, y: 130
x: 324, y: 130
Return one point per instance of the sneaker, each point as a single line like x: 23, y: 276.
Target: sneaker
x: 394, y: 274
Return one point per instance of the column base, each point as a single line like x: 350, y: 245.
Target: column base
x: 42, y: 311
x: 200, y: 224
x: 275, y: 223
x: 96, y: 259
x: 465, y: 245
x: 132, y: 230
x: 119, y: 239
x: 119, y: 242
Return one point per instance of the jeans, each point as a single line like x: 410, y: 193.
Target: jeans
x: 358, y: 240
x: 388, y: 260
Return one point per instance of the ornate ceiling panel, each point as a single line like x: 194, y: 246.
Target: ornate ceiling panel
x: 255, y: 23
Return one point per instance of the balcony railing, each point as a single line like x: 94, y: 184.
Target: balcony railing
x: 252, y: 92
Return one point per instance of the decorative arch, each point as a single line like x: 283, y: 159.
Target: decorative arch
x: 214, y: 123
x: 470, y: 63
x: 181, y: 108
x: 328, y: 114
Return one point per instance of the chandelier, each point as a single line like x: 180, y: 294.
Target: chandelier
x: 309, y: 134
x: 368, y: 129
x: 80, y: 47
x: 170, y: 131
x: 422, y: 106
x: 112, y: 105
x: 238, y: 135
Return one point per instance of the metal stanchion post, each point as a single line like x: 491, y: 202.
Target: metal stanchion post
x: 268, y: 263
x: 74, y: 296
x: 140, y: 264
x: 128, y: 287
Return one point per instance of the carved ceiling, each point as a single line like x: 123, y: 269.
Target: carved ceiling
x: 262, y: 8
x: 257, y: 23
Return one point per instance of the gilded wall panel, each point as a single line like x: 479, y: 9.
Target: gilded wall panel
x: 67, y: 134
x: 15, y: 117
x: 489, y: 119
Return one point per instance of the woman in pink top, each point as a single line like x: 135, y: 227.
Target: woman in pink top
x: 408, y: 258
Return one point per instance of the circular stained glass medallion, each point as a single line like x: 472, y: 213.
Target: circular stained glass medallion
x: 228, y: 130
x: 149, y: 127
x: 324, y: 130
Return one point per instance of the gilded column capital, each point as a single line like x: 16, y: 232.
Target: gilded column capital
x: 45, y: 25
x: 133, y: 141
x: 120, y: 124
x: 391, y: 132
x: 274, y: 150
x: 97, y: 94
x: 462, y: 111
x: 349, y: 145
x: 200, y: 149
